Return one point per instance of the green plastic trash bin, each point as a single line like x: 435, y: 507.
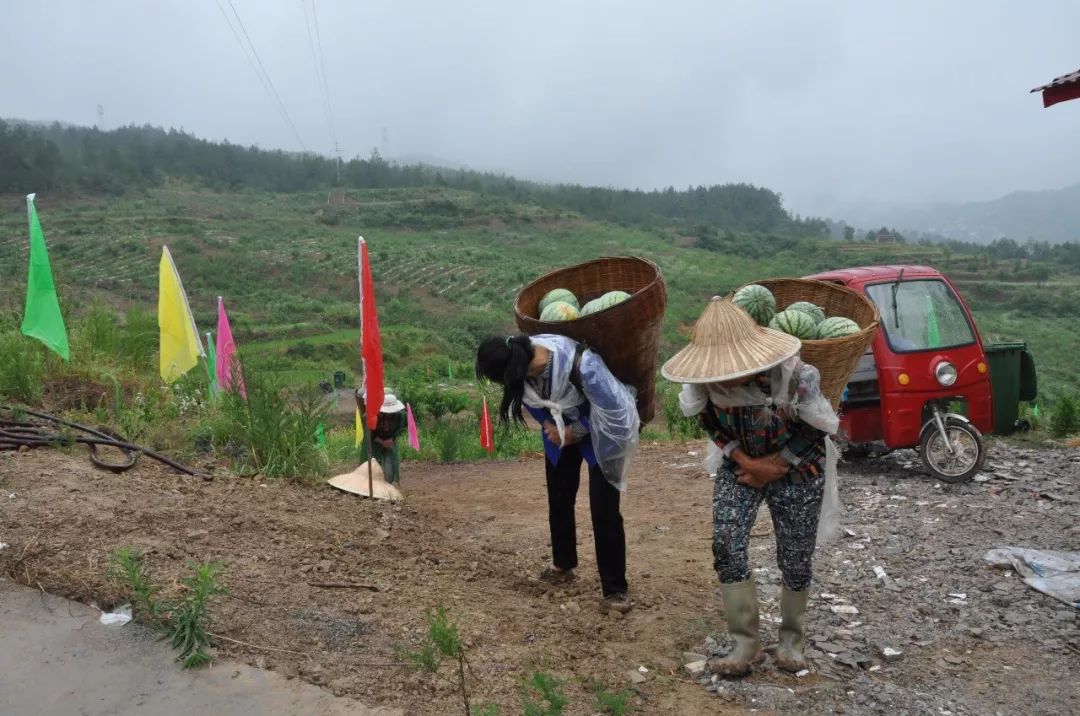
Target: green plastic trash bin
x: 1012, y: 380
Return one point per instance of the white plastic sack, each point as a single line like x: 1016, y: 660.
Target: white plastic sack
x: 1050, y: 572
x: 120, y: 617
x: 613, y: 416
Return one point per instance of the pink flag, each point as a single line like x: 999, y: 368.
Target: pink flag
x: 227, y: 365
x: 414, y: 436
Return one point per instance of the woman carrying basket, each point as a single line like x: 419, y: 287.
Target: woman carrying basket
x: 585, y: 414
x: 768, y: 421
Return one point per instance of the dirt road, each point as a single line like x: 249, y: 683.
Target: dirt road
x: 471, y: 537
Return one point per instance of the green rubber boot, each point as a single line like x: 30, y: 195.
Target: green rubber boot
x: 741, y: 610
x: 789, y: 648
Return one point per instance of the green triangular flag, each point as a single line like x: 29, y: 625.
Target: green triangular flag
x: 1035, y: 410
x: 211, y: 365
x: 42, y: 318
x: 320, y: 435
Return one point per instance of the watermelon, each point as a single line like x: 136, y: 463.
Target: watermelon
x: 609, y: 299
x: 794, y: 323
x: 836, y: 327
x: 758, y: 301
x: 558, y: 294
x: 559, y: 311
x: 809, y: 309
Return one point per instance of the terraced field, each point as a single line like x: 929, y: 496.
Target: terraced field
x: 446, y: 262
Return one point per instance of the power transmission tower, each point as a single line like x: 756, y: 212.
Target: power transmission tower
x: 337, y: 150
x: 101, y: 117
x: 385, y: 142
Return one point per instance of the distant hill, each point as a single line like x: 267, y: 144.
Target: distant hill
x: 1052, y: 215
x: 66, y: 160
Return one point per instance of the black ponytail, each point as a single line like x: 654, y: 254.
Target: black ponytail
x: 505, y: 360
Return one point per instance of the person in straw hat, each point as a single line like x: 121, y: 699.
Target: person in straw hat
x: 586, y: 414
x: 384, y: 446
x: 768, y: 421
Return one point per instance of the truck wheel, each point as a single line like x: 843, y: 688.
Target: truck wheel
x: 967, y: 458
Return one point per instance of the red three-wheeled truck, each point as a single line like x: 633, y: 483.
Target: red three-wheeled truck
x: 928, y: 381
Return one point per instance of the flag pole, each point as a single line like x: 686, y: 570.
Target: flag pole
x: 371, y: 456
x: 363, y: 368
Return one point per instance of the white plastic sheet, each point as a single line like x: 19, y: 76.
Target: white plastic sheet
x: 1050, y: 572
x: 613, y: 416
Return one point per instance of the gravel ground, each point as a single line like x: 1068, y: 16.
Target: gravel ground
x: 909, y: 576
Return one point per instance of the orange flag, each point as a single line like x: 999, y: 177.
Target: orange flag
x: 487, y: 435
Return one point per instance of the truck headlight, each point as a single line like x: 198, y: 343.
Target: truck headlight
x: 945, y: 373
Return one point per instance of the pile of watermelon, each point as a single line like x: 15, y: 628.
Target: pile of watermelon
x: 561, y: 304
x: 802, y: 319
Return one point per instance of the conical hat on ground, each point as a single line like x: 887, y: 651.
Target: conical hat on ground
x: 356, y: 482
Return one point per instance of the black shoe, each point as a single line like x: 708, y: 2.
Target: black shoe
x: 617, y: 602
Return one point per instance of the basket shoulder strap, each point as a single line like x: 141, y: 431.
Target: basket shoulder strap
x: 575, y: 369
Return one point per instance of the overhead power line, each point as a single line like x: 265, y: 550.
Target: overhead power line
x: 259, y: 68
x: 320, y: 74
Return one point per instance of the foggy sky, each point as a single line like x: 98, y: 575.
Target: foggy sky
x: 843, y: 101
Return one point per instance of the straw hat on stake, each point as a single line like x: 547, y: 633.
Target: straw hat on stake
x: 727, y: 345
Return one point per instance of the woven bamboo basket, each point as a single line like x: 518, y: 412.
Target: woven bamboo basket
x: 627, y: 335
x: 835, y: 358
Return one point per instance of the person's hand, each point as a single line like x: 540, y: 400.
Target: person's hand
x: 757, y: 472
x: 552, y: 433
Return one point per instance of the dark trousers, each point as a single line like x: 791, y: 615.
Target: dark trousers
x: 562, y: 486
x: 795, y: 509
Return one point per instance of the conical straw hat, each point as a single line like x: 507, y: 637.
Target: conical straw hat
x: 727, y: 345
x: 356, y: 482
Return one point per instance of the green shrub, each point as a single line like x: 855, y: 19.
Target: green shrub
x: 1066, y: 417
x: 272, y: 430
x: 21, y: 368
x: 542, y: 695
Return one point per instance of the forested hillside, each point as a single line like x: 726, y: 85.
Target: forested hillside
x: 75, y: 159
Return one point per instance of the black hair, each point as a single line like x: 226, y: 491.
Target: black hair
x: 505, y: 360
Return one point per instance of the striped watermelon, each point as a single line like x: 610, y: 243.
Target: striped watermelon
x: 609, y: 299
x: 558, y: 294
x: 559, y: 311
x: 809, y: 309
x: 758, y: 301
x: 836, y: 327
x: 794, y: 323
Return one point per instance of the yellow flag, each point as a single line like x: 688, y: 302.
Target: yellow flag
x: 359, y: 430
x: 180, y: 344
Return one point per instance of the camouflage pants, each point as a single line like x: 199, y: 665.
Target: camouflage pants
x: 795, y: 508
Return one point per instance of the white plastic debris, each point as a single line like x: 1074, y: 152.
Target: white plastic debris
x: 843, y: 609
x: 848, y: 532
x: 875, y: 667
x: 802, y: 673
x: 642, y: 669
x: 4, y: 545
x: 1054, y: 573
x: 121, y: 616
x: 958, y: 595
x: 879, y: 572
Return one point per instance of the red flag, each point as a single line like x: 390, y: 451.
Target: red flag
x: 487, y: 435
x: 370, y: 340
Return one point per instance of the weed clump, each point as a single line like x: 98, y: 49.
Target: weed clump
x: 182, y: 622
